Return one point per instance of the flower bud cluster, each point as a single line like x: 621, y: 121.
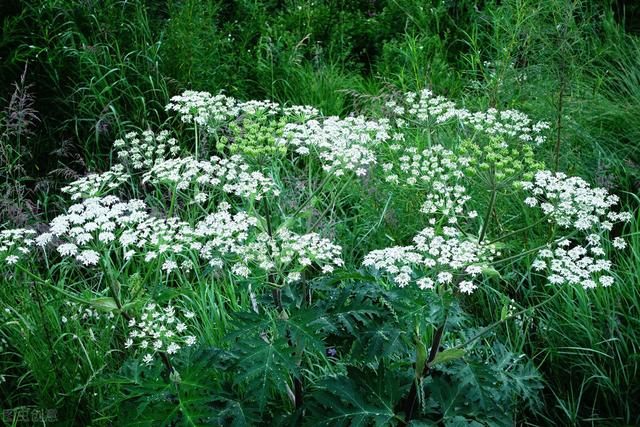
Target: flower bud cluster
x: 81, y: 312
x: 254, y: 136
x: 498, y: 158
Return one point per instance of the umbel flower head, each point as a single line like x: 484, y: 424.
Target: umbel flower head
x: 159, y: 329
x: 291, y: 253
x: 211, y: 112
x: 96, y: 185
x: 230, y: 175
x: 438, y: 172
x: 15, y: 244
x: 142, y: 151
x: 573, y: 264
x: 438, y: 256
x: 571, y: 202
x: 426, y: 107
x: 342, y: 145
x: 91, y: 226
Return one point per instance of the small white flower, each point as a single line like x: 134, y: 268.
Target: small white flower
x: 539, y: 265
x: 467, y: 287
x: 67, y: 249
x: 169, y: 266
x: 606, y: 281
x: 619, y: 243
x: 172, y: 348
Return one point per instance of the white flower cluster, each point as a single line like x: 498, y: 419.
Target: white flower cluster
x: 426, y: 107
x: 217, y: 239
x: 572, y: 202
x: 232, y: 175
x: 222, y: 234
x: 301, y: 111
x: 291, y: 253
x: 446, y: 256
x: 15, y: 243
x: 220, y: 239
x: 143, y: 151
x: 343, y: 145
x: 437, y: 170
x: 203, y: 108
x: 577, y: 265
x: 90, y: 225
x: 97, y: 184
x: 159, y: 330
x: 162, y: 238
x: 226, y: 239
x: 212, y: 111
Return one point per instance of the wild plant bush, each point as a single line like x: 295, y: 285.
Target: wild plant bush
x: 214, y: 261
x: 386, y: 254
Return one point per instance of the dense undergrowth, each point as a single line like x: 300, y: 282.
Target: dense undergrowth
x: 434, y: 220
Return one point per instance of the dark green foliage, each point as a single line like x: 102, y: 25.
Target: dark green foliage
x: 254, y: 380
x: 361, y: 397
x: 194, y: 397
x: 95, y: 69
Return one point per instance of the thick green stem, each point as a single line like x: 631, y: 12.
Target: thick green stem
x: 196, y: 136
x: 520, y: 230
x: 411, y: 402
x: 501, y: 321
x: 492, y: 203
x: 174, y: 195
x: 310, y: 198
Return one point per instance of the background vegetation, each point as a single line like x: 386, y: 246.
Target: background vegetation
x: 76, y: 75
